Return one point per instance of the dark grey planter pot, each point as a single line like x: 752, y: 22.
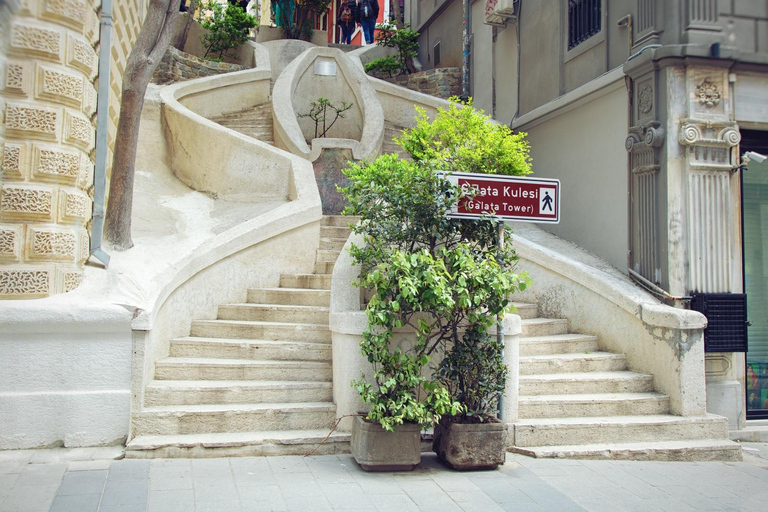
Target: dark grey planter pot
x: 470, y: 446
x: 375, y: 449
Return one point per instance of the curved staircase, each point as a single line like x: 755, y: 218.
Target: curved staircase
x: 257, y: 380
x: 256, y: 122
x: 577, y: 401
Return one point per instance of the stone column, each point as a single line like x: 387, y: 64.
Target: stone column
x: 48, y: 100
x: 685, y: 193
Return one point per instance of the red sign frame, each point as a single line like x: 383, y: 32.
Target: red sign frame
x: 506, y: 197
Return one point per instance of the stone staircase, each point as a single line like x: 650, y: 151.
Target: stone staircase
x: 577, y: 401
x: 255, y: 381
x: 256, y: 122
x: 391, y: 131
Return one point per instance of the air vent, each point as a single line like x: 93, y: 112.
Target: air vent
x: 727, y: 321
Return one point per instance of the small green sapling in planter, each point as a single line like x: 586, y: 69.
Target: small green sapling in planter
x: 321, y: 112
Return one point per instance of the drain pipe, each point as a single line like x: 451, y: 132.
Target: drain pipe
x: 102, y: 129
x: 465, y: 53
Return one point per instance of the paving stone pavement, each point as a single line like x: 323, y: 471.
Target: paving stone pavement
x: 91, y: 480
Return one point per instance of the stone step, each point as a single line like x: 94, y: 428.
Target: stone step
x: 526, y: 311
x: 257, y: 350
x: 543, y: 327
x: 243, y: 444
x: 312, y: 281
x: 585, y: 383
x: 558, y: 344
x: 326, y: 255
x: 332, y: 244
x: 573, y: 362
x: 290, y: 296
x: 617, y: 429
x: 193, y: 368
x: 197, y: 392
x: 284, y: 331
x: 324, y: 267
x: 603, y: 404
x: 693, y: 450
x: 336, y: 232
x: 274, y: 313
x: 202, y: 419
x: 339, y: 220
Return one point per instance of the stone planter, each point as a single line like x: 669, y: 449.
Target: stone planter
x: 470, y: 446
x: 375, y: 449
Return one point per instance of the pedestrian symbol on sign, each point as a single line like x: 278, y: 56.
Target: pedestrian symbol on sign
x: 546, y: 198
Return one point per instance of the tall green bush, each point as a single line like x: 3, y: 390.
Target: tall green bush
x: 435, y: 275
x: 227, y: 27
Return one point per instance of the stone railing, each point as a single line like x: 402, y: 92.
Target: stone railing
x: 441, y: 82
x: 177, y: 66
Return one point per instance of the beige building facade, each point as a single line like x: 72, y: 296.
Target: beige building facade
x: 49, y: 64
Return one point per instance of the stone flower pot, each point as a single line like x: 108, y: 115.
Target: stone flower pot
x: 375, y: 449
x: 469, y: 446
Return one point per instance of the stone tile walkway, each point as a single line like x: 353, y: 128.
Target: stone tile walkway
x: 90, y: 480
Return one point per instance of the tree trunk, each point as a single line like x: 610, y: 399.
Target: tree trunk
x: 146, y: 54
x: 398, y: 15
x: 182, y: 42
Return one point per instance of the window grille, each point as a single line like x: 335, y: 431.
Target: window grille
x: 726, y: 314
x: 584, y: 20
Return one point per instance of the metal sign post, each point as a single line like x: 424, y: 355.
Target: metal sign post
x: 500, y: 198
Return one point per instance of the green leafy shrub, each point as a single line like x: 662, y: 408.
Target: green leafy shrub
x: 474, y: 374
x: 463, y: 139
x: 404, y: 40
x: 227, y: 27
x: 383, y: 67
x: 444, y: 279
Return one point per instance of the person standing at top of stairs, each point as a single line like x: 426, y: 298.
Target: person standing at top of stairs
x: 368, y: 11
x: 347, y: 20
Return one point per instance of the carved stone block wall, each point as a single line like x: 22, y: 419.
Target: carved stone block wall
x: 46, y: 135
x: 48, y: 100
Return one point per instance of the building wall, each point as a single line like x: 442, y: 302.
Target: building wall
x: 48, y: 82
x: 594, y: 183
x: 445, y: 29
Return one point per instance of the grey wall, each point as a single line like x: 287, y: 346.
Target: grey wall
x: 584, y: 149
x: 446, y: 29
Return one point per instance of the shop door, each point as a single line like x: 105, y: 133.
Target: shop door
x: 755, y: 222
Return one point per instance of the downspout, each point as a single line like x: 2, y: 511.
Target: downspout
x: 465, y: 53
x: 102, y: 128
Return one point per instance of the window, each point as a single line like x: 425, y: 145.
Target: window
x: 584, y: 20
x: 436, y: 54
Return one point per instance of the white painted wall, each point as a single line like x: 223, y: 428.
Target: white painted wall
x: 65, y: 373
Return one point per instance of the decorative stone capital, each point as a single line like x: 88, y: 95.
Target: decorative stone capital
x: 644, y: 136
x: 703, y: 133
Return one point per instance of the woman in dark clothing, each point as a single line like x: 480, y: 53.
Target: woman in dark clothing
x: 346, y: 20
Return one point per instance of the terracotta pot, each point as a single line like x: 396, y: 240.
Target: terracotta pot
x: 470, y: 446
x: 375, y: 449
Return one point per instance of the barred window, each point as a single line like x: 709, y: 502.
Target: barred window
x: 584, y: 19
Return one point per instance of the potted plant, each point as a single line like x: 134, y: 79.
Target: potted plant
x: 474, y: 373
x: 438, y: 277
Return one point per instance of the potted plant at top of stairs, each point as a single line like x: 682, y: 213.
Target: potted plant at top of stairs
x: 474, y: 373
x: 430, y: 277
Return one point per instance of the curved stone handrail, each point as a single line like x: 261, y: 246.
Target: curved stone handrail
x: 288, y: 133
x: 657, y: 339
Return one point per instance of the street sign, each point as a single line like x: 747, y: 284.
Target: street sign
x: 506, y: 197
